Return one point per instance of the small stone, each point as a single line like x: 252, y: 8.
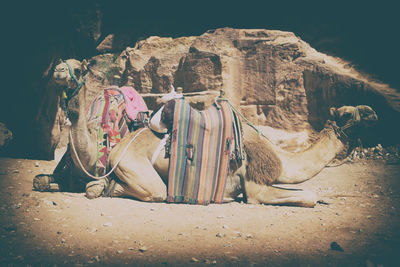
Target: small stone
x: 93, y: 230
x: 194, y: 259
x: 36, y: 219
x: 225, y: 226
x: 59, y: 232
x: 220, y: 235
x: 97, y: 258
x: 15, y: 171
x: 36, y: 164
x: 248, y: 236
x: 220, y: 217
x: 142, y: 248
x: 237, y: 233
x: 107, y: 224
x: 336, y: 246
x: 120, y: 251
x: 63, y: 240
x: 131, y: 248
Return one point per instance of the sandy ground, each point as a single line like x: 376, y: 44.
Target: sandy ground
x: 361, y: 214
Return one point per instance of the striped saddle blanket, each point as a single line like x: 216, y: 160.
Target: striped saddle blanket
x: 202, y: 144
x: 108, y: 116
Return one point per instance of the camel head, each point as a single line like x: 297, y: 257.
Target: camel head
x: 348, y: 116
x: 69, y: 76
x: 62, y: 75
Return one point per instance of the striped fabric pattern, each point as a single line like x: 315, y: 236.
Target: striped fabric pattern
x: 201, y: 146
x: 107, y: 115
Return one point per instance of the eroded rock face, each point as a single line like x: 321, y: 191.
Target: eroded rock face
x: 273, y: 77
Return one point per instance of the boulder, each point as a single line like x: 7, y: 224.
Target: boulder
x: 5, y: 137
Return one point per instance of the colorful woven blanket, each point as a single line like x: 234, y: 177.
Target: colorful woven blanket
x: 108, y: 113
x: 201, y: 148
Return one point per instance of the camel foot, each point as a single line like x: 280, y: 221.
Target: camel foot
x: 42, y: 182
x: 96, y: 188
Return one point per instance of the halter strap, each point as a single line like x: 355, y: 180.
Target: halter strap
x: 79, y: 84
x: 355, y: 118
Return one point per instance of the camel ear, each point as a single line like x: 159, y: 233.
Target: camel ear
x: 332, y: 112
x: 84, y: 66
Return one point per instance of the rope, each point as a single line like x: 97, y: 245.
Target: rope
x: 116, y: 164
x: 247, y: 121
x: 79, y: 84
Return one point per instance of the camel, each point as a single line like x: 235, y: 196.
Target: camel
x: 141, y: 170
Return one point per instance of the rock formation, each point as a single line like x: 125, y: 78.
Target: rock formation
x: 5, y: 136
x: 274, y: 77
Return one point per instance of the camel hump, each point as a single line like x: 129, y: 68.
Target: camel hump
x: 263, y: 165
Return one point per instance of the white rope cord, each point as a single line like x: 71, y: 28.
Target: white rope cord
x: 159, y: 148
x: 116, y: 164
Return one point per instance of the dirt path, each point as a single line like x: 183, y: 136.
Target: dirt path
x: 66, y: 229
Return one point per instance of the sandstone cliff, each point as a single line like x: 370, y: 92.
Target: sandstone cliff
x: 274, y: 77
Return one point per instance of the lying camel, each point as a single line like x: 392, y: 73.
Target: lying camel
x: 142, y: 175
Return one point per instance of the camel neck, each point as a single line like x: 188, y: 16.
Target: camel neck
x: 301, y: 166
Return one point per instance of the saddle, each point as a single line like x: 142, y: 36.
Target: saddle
x: 202, y: 143
x: 115, y: 112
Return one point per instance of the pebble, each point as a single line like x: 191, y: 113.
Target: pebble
x: 220, y: 235
x: 63, y: 240
x: 36, y: 219
x: 237, y: 233
x: 213, y: 262
x: 142, y: 248
x: 15, y: 171
x: 248, y: 236
x: 36, y: 164
x: 120, y: 251
x: 336, y: 246
x: 93, y: 230
x: 107, y: 224
x: 194, y: 259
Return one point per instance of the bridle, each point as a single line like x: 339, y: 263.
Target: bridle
x: 69, y: 93
x: 355, y: 119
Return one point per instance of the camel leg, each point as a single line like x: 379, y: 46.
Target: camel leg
x: 140, y: 180
x: 264, y: 194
